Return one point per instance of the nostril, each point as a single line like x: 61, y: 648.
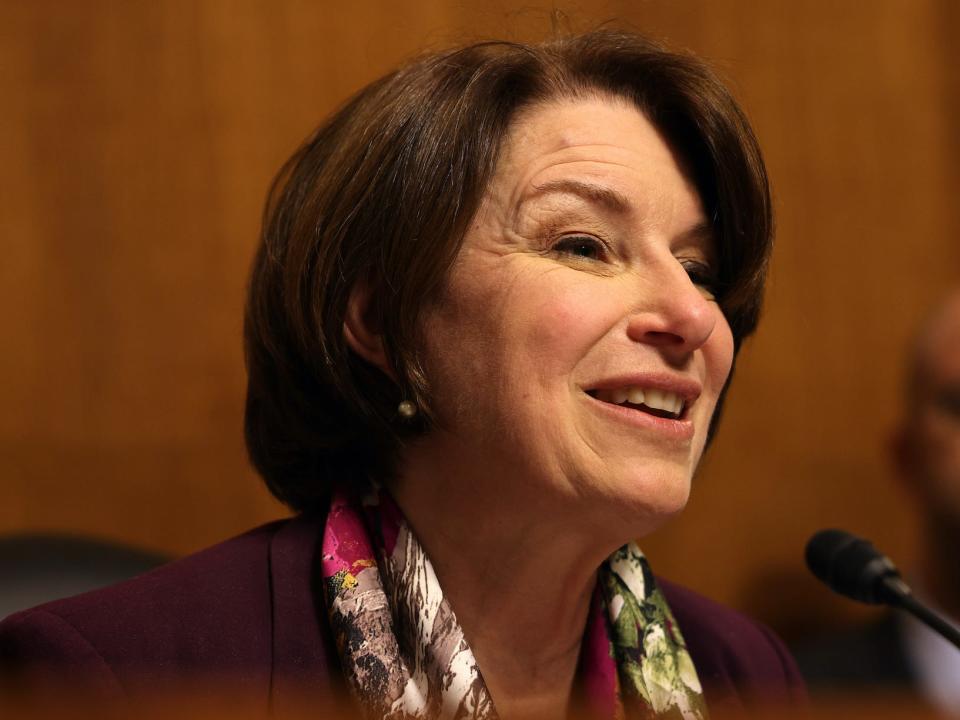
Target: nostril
x: 663, y: 338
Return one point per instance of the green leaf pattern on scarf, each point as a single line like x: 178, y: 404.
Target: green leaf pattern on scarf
x: 654, y: 668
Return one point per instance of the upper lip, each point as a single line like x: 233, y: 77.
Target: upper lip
x: 688, y: 389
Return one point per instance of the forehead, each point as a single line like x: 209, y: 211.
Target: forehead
x: 567, y: 122
x: 602, y: 138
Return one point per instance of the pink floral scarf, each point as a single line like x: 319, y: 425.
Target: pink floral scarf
x: 404, y: 655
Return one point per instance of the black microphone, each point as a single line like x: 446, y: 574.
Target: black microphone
x: 853, y: 567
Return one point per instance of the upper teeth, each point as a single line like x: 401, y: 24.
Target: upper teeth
x: 652, y: 398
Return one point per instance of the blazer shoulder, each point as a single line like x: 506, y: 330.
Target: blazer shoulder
x: 210, y: 611
x: 39, y: 649
x: 735, y: 656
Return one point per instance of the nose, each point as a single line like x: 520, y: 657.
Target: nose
x: 673, y: 315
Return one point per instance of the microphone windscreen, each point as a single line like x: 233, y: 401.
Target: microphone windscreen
x: 849, y: 565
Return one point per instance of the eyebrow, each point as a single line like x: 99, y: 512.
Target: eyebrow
x: 701, y: 231
x: 598, y: 194
x: 615, y: 201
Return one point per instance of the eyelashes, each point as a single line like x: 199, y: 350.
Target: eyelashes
x: 586, y: 248
x: 703, y: 276
x: 583, y: 247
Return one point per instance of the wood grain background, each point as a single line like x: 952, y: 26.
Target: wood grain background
x: 137, y: 140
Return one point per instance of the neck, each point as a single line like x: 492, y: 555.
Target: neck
x: 519, y: 580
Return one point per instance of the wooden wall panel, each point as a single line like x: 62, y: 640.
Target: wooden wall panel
x: 138, y: 140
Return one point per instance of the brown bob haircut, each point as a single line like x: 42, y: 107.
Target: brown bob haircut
x: 382, y: 193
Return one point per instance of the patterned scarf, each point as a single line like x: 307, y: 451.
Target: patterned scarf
x: 404, y: 654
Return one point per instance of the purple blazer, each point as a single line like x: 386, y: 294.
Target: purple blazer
x: 251, y: 609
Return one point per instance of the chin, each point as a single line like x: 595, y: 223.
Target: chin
x: 635, y: 504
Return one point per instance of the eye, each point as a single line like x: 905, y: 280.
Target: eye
x: 581, y: 246
x: 703, y: 276
x: 949, y: 402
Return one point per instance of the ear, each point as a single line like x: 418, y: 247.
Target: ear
x: 362, y: 331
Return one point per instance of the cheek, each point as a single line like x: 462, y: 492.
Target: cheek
x: 563, y: 325
x: 943, y: 444
x: 939, y: 468
x: 718, y: 354
x: 501, y: 352
x: 557, y: 326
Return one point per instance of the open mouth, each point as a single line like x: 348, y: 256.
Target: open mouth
x: 658, y: 403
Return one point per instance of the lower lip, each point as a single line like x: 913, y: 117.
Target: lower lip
x: 676, y: 430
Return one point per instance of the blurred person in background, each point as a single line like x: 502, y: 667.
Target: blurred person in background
x: 898, y: 651
x: 496, y: 306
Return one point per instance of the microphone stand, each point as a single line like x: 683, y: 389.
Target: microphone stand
x: 899, y: 595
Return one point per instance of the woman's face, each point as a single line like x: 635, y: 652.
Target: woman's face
x: 575, y: 355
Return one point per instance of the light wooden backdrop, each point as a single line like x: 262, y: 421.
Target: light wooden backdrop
x: 137, y: 140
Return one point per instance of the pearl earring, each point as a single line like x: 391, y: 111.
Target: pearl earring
x: 406, y: 409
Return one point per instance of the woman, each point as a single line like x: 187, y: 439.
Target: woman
x: 493, y: 314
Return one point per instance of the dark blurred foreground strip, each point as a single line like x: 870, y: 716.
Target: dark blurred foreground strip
x: 232, y: 704
x: 208, y: 700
